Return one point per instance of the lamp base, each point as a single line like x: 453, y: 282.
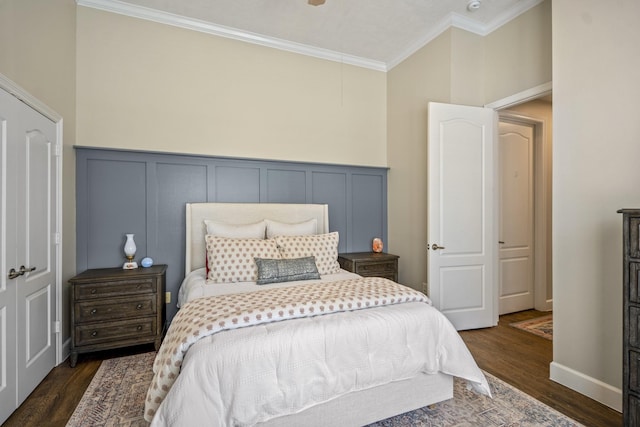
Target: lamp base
x: 130, y: 265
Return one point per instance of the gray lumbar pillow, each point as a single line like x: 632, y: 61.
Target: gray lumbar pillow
x: 286, y: 270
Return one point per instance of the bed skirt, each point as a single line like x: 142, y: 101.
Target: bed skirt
x: 374, y: 404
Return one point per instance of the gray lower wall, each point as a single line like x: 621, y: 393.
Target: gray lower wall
x: 144, y: 193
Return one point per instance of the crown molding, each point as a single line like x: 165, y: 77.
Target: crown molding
x: 452, y: 20
x: 141, y: 12
x: 521, y: 7
x: 463, y: 23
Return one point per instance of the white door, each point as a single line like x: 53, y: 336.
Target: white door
x: 462, y: 223
x: 28, y: 261
x: 516, y: 217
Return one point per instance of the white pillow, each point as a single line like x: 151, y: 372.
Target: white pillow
x: 275, y: 228
x: 233, y: 231
x: 232, y: 260
x: 324, y: 247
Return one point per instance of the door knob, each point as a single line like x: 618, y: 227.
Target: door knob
x: 435, y: 247
x: 13, y: 274
x: 26, y: 270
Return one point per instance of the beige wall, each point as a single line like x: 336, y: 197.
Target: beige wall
x: 518, y: 54
x: 595, y: 170
x: 37, y: 41
x: 457, y: 67
x: 143, y: 85
x: 423, y: 76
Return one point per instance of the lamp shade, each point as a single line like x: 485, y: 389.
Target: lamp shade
x: 130, y: 247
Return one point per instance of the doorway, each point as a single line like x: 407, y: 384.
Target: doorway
x: 523, y: 273
x: 525, y: 223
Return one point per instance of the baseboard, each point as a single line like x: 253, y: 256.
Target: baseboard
x: 590, y: 387
x: 66, y: 349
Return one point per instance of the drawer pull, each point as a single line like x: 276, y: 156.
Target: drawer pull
x: 139, y: 306
x: 139, y: 327
x: 94, y: 290
x: 94, y: 311
x: 94, y: 333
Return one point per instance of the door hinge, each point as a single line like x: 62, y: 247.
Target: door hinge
x: 56, y: 326
x: 56, y: 238
x: 57, y: 151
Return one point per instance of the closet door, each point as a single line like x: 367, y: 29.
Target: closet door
x: 28, y: 264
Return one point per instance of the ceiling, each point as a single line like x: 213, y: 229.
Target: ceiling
x: 376, y: 34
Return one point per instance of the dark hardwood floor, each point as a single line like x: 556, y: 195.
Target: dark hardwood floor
x: 54, y: 400
x: 522, y: 359
x: 518, y: 358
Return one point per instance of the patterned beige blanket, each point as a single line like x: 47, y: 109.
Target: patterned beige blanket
x: 206, y: 316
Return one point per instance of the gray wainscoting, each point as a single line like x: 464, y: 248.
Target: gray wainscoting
x: 144, y: 193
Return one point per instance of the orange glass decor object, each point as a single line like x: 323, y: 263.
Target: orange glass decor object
x: 377, y: 245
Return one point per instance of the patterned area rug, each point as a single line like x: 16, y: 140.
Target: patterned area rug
x: 116, y: 396
x: 540, y: 326
x: 508, y: 407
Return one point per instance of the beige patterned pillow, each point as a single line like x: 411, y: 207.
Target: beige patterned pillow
x: 324, y: 247
x: 232, y: 260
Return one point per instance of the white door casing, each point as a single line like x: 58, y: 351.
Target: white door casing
x: 8, y: 355
x: 30, y: 237
x: 516, y: 271
x: 463, y: 212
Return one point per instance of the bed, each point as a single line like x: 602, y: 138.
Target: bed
x: 349, y: 366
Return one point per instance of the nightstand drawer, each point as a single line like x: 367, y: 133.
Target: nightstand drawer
x: 110, y: 331
x: 111, y: 309
x: 115, y: 288
x: 376, y: 269
x: 370, y: 264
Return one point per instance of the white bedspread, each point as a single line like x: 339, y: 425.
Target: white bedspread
x: 244, y: 376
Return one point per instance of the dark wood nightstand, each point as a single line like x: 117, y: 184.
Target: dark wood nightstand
x: 371, y: 264
x: 112, y: 307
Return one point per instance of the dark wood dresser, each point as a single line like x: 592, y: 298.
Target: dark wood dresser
x: 112, y: 307
x: 631, y: 317
x: 370, y: 264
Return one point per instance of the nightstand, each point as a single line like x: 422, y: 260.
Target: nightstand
x: 112, y: 307
x: 371, y: 264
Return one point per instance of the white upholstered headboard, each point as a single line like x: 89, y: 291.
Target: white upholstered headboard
x: 243, y: 213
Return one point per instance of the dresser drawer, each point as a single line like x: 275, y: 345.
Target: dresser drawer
x: 118, y: 288
x: 632, y: 416
x: 634, y: 371
x: 634, y: 285
x: 634, y: 237
x: 634, y: 327
x: 111, y: 331
x: 112, y: 309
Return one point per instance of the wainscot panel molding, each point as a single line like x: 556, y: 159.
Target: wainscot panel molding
x: 144, y: 193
